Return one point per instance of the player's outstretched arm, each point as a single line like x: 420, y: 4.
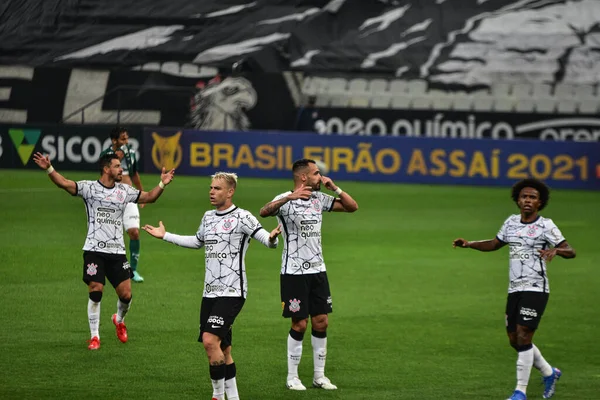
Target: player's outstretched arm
x: 346, y: 203
x: 481, y: 245
x: 154, y: 194
x: 563, y: 250
x: 44, y: 163
x: 271, y: 208
x: 270, y: 240
x: 160, y: 232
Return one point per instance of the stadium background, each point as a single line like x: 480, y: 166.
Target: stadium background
x: 426, y: 111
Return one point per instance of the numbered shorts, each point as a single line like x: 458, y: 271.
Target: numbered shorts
x: 304, y: 295
x: 131, y: 216
x: 97, y: 267
x: 525, y: 308
x: 217, y: 316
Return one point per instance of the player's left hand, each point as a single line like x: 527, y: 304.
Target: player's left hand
x: 142, y: 205
x: 167, y: 177
x: 328, y: 183
x: 274, y: 233
x: 547, y: 254
x: 157, y: 232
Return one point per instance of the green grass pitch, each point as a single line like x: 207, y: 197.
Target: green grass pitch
x: 413, y: 318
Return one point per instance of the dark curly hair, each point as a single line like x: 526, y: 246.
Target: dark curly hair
x: 538, y: 185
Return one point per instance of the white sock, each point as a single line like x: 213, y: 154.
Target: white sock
x: 319, y: 346
x: 122, y: 309
x: 524, y: 364
x: 94, y: 317
x: 294, y: 352
x: 218, y: 388
x: 231, y: 389
x: 540, y: 362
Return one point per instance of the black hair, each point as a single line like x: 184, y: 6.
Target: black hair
x: 538, y: 185
x: 303, y: 162
x: 116, y: 132
x: 105, y: 161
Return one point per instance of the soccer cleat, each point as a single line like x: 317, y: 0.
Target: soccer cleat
x: 94, y: 343
x: 550, y: 383
x: 137, y: 277
x: 295, y: 384
x: 324, y: 383
x: 518, y: 395
x: 121, y: 329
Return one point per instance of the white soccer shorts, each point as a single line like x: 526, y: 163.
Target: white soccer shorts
x: 131, y: 217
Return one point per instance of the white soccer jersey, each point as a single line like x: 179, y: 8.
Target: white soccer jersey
x: 301, y: 222
x: 527, y: 268
x: 105, y: 208
x: 226, y: 236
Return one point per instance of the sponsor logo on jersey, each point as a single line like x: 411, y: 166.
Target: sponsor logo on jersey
x: 294, y: 305
x: 92, y: 269
x: 214, y: 288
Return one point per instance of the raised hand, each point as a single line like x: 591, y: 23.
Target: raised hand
x: 42, y: 161
x: 157, y: 232
x: 460, y: 242
x: 303, y: 192
x: 328, y: 183
x: 167, y: 177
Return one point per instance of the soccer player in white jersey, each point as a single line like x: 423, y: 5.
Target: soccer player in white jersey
x: 225, y: 234
x: 104, y: 253
x: 131, y: 217
x: 533, y: 241
x: 303, y: 280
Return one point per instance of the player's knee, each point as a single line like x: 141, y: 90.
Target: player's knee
x: 96, y: 296
x: 134, y: 234
x: 320, y: 323
x: 211, y: 342
x: 299, y: 325
x: 95, y: 287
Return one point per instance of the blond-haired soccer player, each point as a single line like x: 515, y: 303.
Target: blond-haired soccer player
x: 225, y: 234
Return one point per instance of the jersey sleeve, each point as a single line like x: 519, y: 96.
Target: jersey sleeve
x: 249, y: 224
x: 132, y: 195
x: 200, y: 232
x: 326, y: 201
x: 83, y: 189
x: 501, y: 235
x: 552, y: 234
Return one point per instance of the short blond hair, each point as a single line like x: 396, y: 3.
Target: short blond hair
x: 229, y: 177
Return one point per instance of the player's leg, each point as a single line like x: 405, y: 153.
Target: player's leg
x: 230, y: 371
x: 94, y: 278
x: 294, y: 301
x: 131, y: 224
x: 320, y: 306
x: 216, y: 319
x: 119, y: 273
x: 532, y: 307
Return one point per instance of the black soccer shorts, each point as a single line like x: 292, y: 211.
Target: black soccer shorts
x: 97, y: 267
x: 304, y: 295
x: 217, y: 315
x: 525, y: 308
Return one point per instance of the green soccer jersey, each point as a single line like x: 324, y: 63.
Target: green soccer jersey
x: 129, y: 161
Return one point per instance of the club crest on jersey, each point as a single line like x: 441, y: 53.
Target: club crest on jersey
x: 532, y: 231
x: 120, y: 195
x: 316, y: 204
x: 294, y: 305
x: 228, y: 224
x: 92, y: 269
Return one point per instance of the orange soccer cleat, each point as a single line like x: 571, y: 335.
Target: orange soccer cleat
x: 121, y: 329
x: 94, y: 343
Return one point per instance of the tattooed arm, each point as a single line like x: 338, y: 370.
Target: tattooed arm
x: 270, y: 209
